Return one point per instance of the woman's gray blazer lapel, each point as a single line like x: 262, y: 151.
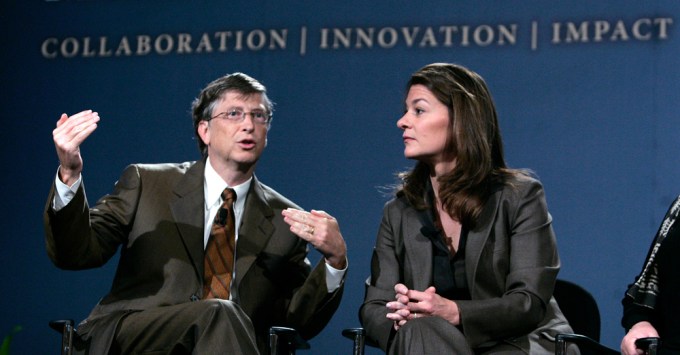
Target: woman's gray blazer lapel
x: 417, y: 248
x: 477, y: 239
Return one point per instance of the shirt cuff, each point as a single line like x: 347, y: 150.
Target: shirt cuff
x: 334, y: 277
x: 64, y: 193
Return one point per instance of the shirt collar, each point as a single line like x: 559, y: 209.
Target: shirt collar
x: 213, y: 186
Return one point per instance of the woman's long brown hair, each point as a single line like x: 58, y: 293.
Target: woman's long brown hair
x: 473, y: 138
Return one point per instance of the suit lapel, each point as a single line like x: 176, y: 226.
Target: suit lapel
x: 418, y: 248
x: 254, y: 233
x: 188, y: 210
x: 477, y: 238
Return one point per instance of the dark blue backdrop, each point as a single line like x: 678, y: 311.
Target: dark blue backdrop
x: 587, y: 94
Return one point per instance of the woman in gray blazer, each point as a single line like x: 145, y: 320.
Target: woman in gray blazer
x: 465, y: 259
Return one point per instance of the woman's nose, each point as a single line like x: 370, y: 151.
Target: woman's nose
x: 402, y: 122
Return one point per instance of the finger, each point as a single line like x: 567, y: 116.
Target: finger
x: 322, y: 214
x: 418, y: 306
x: 315, y: 224
x: 83, y: 131
x: 62, y: 119
x: 295, y: 215
x: 401, y: 289
x: 394, y: 317
x: 402, y: 299
x: 76, y: 127
x: 395, y: 305
x: 302, y: 231
x: 311, y: 217
x: 415, y: 308
x: 404, y: 313
x: 417, y: 296
x: 302, y: 224
x: 66, y: 122
x: 303, y: 228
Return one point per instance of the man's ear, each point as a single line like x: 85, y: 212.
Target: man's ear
x: 203, y: 130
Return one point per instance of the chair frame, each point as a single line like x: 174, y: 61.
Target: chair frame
x: 282, y: 340
x: 649, y: 345
x: 561, y: 341
x: 66, y: 328
x: 358, y: 337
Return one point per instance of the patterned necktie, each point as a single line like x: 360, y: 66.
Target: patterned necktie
x: 219, y: 254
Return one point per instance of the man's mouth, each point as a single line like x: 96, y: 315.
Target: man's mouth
x: 246, y: 143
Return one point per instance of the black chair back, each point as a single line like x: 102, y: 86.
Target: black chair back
x: 579, y: 307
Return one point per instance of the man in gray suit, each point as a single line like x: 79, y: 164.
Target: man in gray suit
x: 161, y: 216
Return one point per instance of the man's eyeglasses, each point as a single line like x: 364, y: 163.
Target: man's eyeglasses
x: 261, y: 117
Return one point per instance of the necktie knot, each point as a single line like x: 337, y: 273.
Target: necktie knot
x: 228, y: 198
x: 229, y: 195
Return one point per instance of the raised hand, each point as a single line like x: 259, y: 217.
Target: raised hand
x: 70, y: 133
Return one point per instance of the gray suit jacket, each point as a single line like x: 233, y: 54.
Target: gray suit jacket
x: 511, y: 265
x: 155, y: 215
